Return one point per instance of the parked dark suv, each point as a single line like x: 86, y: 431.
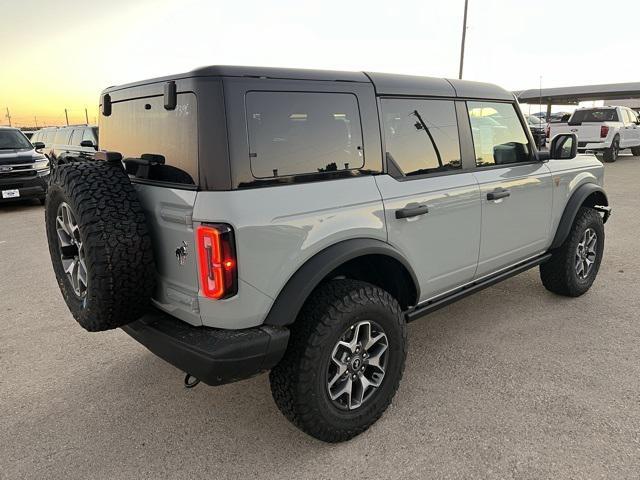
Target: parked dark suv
x: 65, y: 144
x: 24, y: 171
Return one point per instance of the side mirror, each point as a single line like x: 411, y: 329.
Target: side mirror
x: 87, y: 144
x: 563, y: 146
x: 38, y: 145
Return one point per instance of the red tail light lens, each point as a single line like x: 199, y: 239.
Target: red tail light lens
x: 217, y: 261
x: 547, y: 131
x: 604, y: 131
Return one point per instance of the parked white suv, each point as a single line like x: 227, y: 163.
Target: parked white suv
x: 296, y: 220
x: 604, y: 130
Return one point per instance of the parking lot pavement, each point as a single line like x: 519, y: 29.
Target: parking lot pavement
x: 513, y: 382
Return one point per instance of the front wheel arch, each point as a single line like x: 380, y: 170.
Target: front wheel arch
x: 587, y: 195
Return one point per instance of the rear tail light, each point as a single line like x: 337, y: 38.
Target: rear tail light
x: 547, y: 131
x: 217, y: 261
x: 604, y: 131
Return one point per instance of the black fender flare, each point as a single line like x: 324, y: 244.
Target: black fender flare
x: 571, y: 210
x: 291, y: 298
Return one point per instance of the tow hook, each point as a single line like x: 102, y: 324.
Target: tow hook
x: 190, y: 381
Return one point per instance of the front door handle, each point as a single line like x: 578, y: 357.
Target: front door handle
x: 412, y: 211
x: 498, y: 194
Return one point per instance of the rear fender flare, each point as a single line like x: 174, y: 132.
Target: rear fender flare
x: 291, y: 298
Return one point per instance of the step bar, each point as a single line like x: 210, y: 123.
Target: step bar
x: 440, y: 302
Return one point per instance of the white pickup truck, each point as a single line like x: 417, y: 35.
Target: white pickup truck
x: 605, y: 130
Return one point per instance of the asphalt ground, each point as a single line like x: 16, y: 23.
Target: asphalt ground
x: 513, y: 382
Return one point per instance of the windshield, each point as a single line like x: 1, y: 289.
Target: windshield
x: 595, y: 115
x: 13, y: 140
x: 535, y: 121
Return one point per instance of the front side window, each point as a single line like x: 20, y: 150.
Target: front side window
x: 294, y: 133
x: 76, y: 137
x: 421, y: 136
x: 91, y: 135
x: 498, y: 135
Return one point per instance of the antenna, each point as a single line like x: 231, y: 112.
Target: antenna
x: 8, y: 115
x: 86, y: 115
x: 464, y: 35
x: 66, y: 116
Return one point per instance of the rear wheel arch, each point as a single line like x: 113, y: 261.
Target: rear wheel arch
x: 587, y: 195
x: 365, y: 259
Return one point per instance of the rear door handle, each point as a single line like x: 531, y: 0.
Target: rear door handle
x: 412, y: 211
x: 498, y: 194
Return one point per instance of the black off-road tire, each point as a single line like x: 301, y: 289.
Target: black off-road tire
x: 610, y: 154
x: 559, y: 273
x: 635, y: 151
x: 116, y: 243
x: 298, y: 382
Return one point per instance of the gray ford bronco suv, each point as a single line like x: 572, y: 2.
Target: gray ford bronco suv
x: 242, y: 219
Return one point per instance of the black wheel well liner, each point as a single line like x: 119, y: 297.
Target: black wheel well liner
x: 366, y: 259
x: 587, y: 194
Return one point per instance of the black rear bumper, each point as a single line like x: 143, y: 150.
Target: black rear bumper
x: 212, y: 355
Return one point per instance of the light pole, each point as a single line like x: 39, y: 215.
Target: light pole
x: 464, y: 35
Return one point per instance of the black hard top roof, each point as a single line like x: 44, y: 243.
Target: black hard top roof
x: 384, y: 83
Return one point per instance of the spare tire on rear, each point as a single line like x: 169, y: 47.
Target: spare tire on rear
x: 99, y: 244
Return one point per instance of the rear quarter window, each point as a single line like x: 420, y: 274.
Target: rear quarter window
x: 297, y: 133
x: 144, y: 126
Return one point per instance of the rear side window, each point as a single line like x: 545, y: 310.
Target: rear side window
x: 62, y: 136
x: 49, y: 137
x: 292, y: 133
x: 144, y: 126
x: 421, y: 136
x: 498, y: 136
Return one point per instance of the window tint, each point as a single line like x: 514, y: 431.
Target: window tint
x: 62, y: 136
x: 421, y: 136
x: 76, y: 137
x: 144, y: 126
x: 296, y: 133
x: 36, y: 137
x: 498, y: 136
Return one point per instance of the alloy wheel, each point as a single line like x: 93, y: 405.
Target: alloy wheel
x: 357, y: 365
x: 585, y: 256
x: 71, y: 251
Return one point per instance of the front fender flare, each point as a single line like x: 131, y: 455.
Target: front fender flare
x: 571, y: 210
x: 291, y: 298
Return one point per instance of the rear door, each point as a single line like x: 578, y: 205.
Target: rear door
x: 167, y: 191
x: 515, y: 188
x: 432, y: 203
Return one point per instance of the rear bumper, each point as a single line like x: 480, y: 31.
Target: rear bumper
x: 212, y: 355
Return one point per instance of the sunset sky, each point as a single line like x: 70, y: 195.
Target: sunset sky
x: 57, y: 54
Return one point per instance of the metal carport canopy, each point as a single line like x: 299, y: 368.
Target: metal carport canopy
x: 575, y: 95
